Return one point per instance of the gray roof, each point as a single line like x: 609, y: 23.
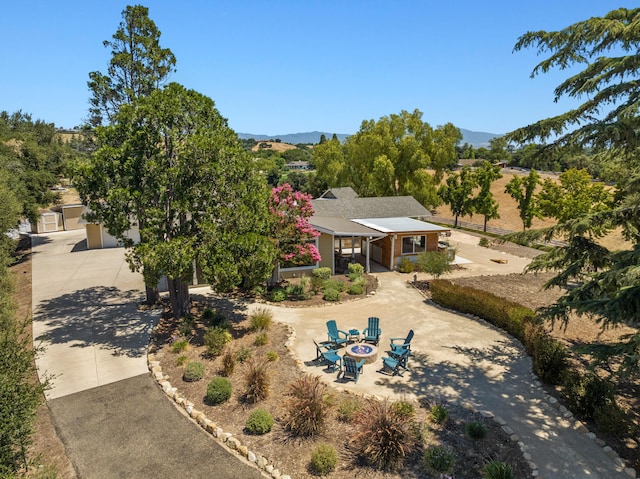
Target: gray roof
x: 399, y: 225
x: 373, y: 207
x: 342, y: 227
x: 343, y: 193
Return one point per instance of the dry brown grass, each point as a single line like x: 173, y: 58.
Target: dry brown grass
x: 275, y: 146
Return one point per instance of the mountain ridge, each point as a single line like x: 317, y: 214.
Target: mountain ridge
x: 475, y: 138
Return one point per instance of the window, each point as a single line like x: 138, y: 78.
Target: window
x: 413, y: 244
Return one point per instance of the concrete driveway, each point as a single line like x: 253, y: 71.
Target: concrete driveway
x: 111, y: 416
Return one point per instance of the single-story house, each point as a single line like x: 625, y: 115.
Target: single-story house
x: 298, y: 165
x: 381, y: 229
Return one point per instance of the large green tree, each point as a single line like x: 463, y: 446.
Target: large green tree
x: 484, y: 203
x: 389, y: 157
x: 457, y: 192
x: 138, y: 66
x: 522, y: 189
x: 606, y: 282
x: 574, y: 195
x: 171, y: 163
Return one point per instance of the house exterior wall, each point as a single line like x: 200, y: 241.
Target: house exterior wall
x: 325, y: 247
x: 431, y: 244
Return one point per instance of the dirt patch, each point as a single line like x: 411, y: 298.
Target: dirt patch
x: 47, y: 453
x: 292, y: 455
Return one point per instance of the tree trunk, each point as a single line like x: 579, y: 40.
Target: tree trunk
x: 485, y: 224
x: 455, y: 223
x: 179, y: 294
x: 153, y: 295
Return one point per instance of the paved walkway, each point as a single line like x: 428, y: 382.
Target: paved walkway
x: 112, y: 417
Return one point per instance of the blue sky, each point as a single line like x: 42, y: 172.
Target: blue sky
x: 277, y: 67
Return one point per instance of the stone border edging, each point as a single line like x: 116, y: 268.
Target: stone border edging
x: 551, y: 400
x: 262, y: 463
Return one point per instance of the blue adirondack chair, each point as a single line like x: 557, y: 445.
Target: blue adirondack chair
x: 328, y: 356
x: 372, y: 332
x: 351, y: 368
x: 395, y: 363
x: 336, y: 336
x: 399, y: 345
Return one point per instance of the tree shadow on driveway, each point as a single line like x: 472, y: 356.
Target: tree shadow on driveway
x: 105, y: 317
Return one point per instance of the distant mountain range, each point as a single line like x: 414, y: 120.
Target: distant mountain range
x: 474, y: 138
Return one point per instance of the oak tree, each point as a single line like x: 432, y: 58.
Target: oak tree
x: 457, y: 192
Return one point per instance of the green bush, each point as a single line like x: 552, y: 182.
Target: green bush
x: 587, y: 393
x: 324, y: 459
x: 355, y: 289
x: 260, y: 319
x: 306, y: 407
x: 476, y: 430
x: 228, y: 362
x: 180, y: 360
x: 259, y: 422
x: 243, y: 354
x: 331, y: 295
x: 215, y: 339
x: 348, y: 409
x: 277, y: 295
x: 383, y: 438
x: 439, y: 414
x: 434, y: 263
x: 612, y: 420
x: 438, y: 459
x: 218, y: 391
x: 298, y: 291
x: 272, y: 356
x: 180, y: 345
x: 257, y: 381
x: 187, y: 323
x: 502, y: 313
x: 335, y: 284
x: 193, y: 371
x: 213, y: 318
x: 356, y: 270
x: 484, y: 242
x: 322, y: 273
x: 403, y: 409
x: 261, y: 339
x: 498, y: 470
x: 316, y: 284
x: 406, y: 265
x: 549, y: 359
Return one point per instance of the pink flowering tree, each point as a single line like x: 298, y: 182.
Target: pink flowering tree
x: 292, y: 231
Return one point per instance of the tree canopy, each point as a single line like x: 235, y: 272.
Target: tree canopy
x: 389, y: 157
x: 457, y: 192
x: 607, y: 288
x: 522, y: 189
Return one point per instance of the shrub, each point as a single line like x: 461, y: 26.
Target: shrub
x: 306, y: 407
x: 259, y: 422
x: 439, y: 414
x: 215, y: 339
x: 277, y: 295
x: 498, y: 470
x: 257, y: 381
x: 298, y: 290
x: 218, y: 390
x: 612, y: 420
x: 180, y: 345
x: 403, y: 409
x: 335, y: 284
x: 434, y: 263
x: 348, y: 409
x: 261, y: 339
x: 382, y: 438
x: 331, y: 295
x: 322, y: 273
x: 180, y: 360
x: 187, y: 323
x: 228, y: 362
x: 272, y: 356
x: 484, y: 242
x: 324, y: 459
x: 438, y: 459
x: 214, y: 318
x: 476, y: 430
x: 356, y: 270
x: 243, y: 354
x: 591, y: 397
x: 316, y: 284
x: 355, y: 289
x: 549, y: 359
x: 193, y: 371
x: 260, y: 319
x: 406, y: 265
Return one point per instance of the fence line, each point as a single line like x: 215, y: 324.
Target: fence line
x: 490, y: 229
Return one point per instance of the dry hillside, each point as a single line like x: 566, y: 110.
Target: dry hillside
x: 275, y: 146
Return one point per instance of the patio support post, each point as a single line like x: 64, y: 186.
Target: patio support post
x: 393, y: 252
x: 367, y: 265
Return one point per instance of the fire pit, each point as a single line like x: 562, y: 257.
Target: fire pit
x: 364, y: 351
